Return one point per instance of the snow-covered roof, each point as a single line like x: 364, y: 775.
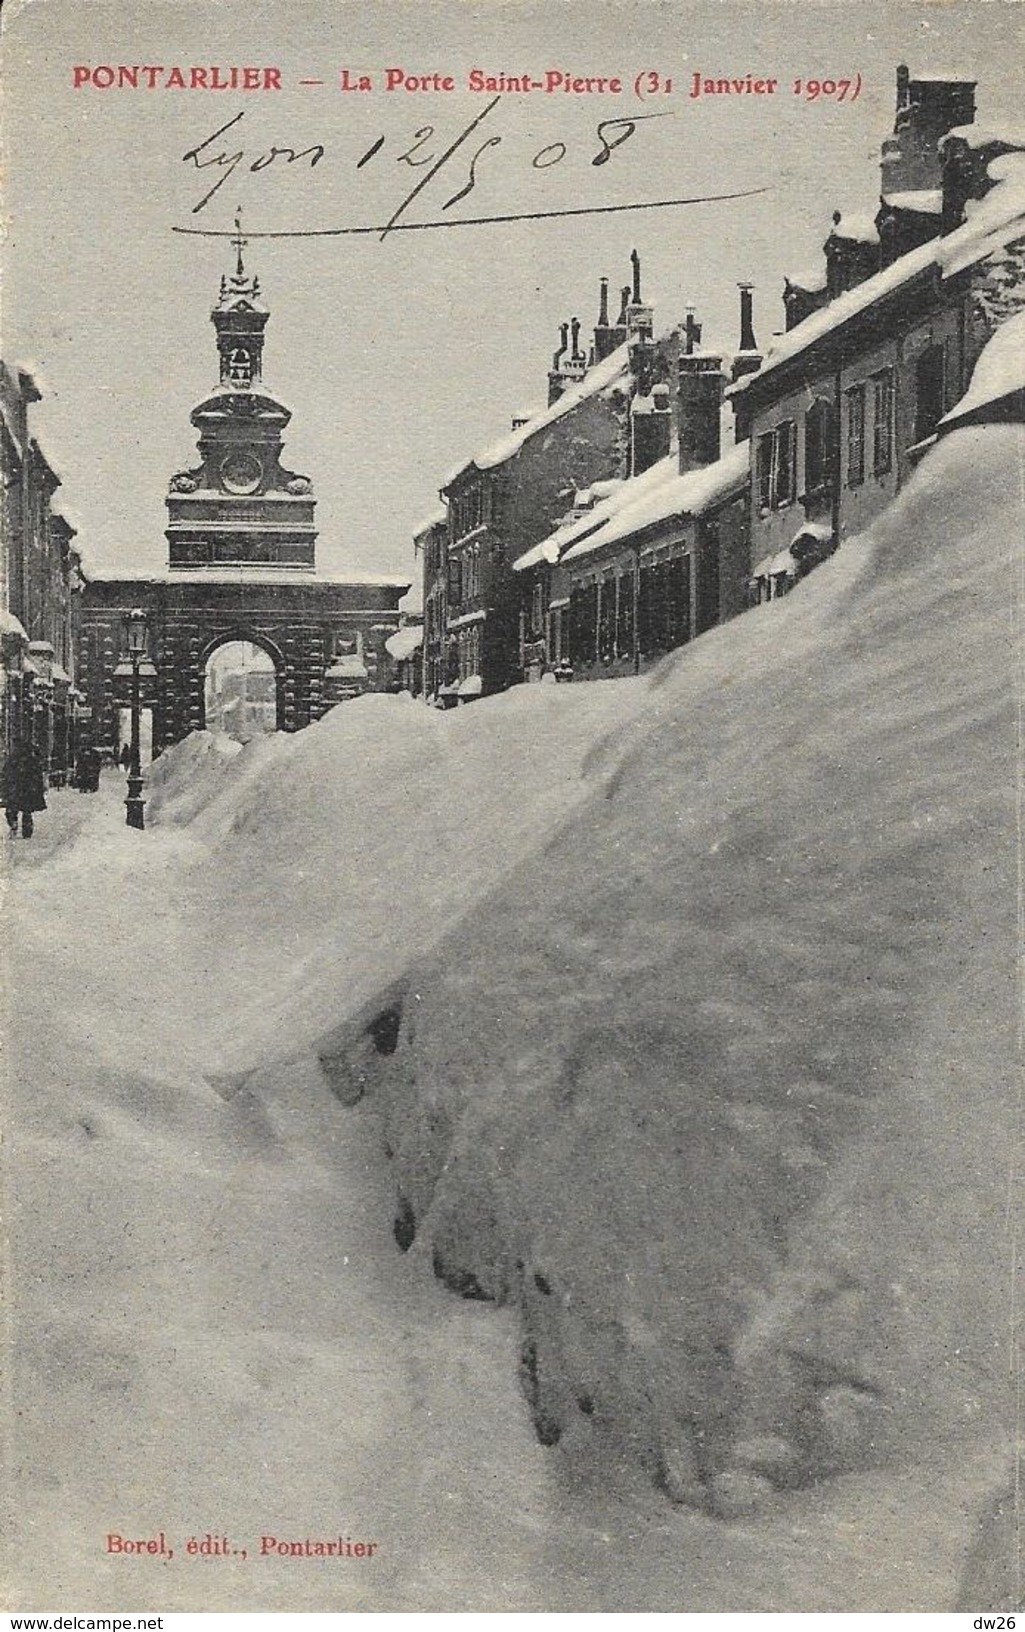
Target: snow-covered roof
x: 992, y: 223
x: 602, y: 377
x: 773, y: 565
x: 466, y: 619
x: 812, y: 279
x: 347, y: 667
x: 413, y: 601
x: 999, y: 371
x: 676, y: 496
x: 290, y: 576
x: 404, y: 642
x: 979, y: 136
x: 10, y: 625
x: 472, y: 686
x: 616, y: 494
x: 939, y: 76
x: 437, y: 518
x: 927, y: 201
x: 813, y: 529
x: 860, y: 229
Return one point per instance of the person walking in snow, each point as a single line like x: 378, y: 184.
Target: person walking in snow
x: 23, y: 792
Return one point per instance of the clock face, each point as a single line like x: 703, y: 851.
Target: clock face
x: 241, y: 472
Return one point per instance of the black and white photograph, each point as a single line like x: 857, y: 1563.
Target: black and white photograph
x: 512, y: 590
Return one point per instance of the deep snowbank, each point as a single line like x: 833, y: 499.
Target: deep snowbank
x: 718, y: 1089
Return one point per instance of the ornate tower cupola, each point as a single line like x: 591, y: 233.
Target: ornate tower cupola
x: 240, y: 506
x: 240, y: 320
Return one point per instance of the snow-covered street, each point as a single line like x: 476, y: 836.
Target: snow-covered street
x: 214, y: 1333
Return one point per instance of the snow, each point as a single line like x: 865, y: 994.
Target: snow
x: 404, y: 643
x: 437, y: 518
x: 813, y: 529
x: 471, y: 686
x: 773, y: 566
x: 293, y: 577
x: 992, y: 223
x: 928, y: 201
x: 734, y: 1084
x: 412, y: 603
x: 860, y: 229
x: 610, y: 498
x: 980, y: 136
x: 999, y: 371
x: 602, y: 377
x: 813, y: 280
x: 10, y: 625
x: 465, y: 619
x: 349, y: 666
x: 709, y: 1024
x: 678, y: 496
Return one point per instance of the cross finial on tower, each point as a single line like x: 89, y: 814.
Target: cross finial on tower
x: 239, y: 243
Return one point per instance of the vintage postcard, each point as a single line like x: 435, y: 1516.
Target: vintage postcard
x: 511, y: 620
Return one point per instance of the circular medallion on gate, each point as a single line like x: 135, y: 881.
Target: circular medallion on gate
x: 241, y: 472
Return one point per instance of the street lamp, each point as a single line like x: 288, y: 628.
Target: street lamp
x: 136, y: 630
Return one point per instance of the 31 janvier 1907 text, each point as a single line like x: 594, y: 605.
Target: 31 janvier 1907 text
x: 216, y: 1545
x: 692, y: 84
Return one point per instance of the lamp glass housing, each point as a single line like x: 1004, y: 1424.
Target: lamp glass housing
x: 136, y: 625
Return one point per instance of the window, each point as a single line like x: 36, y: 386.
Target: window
x: 583, y: 624
x: 625, y: 615
x: 607, y: 620
x: 929, y: 383
x: 764, y: 470
x: 471, y: 508
x: 785, y: 474
x: 855, y: 435
x: 819, y: 446
x: 537, y: 609
x: 776, y: 466
x: 882, y: 429
x: 455, y: 587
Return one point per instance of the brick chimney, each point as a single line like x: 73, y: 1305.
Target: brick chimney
x: 556, y: 381
x: 927, y: 108
x: 699, y: 401
x: 748, y: 358
x: 640, y: 319
x: 651, y: 423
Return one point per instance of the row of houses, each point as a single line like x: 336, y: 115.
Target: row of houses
x: 41, y: 582
x: 668, y: 485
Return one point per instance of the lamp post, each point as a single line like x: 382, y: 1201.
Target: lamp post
x: 136, y: 629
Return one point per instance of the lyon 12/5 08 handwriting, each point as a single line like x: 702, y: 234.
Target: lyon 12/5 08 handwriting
x: 222, y: 153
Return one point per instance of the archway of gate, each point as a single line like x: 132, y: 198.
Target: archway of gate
x: 242, y: 688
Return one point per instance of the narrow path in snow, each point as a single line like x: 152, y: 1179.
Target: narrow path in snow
x: 213, y: 1333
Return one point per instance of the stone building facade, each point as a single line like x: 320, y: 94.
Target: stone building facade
x: 40, y: 590
x: 846, y: 402
x: 510, y: 496
x: 241, y: 565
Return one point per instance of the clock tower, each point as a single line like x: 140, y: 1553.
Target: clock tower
x: 240, y: 506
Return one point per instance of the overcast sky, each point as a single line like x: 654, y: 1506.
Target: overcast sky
x: 401, y: 357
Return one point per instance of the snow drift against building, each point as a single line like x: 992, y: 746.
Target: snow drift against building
x: 998, y: 376
x: 723, y: 1108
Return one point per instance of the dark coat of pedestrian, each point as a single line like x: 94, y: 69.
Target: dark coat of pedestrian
x: 90, y: 761
x: 23, y: 790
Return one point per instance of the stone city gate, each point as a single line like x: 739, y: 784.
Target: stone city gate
x: 241, y: 564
